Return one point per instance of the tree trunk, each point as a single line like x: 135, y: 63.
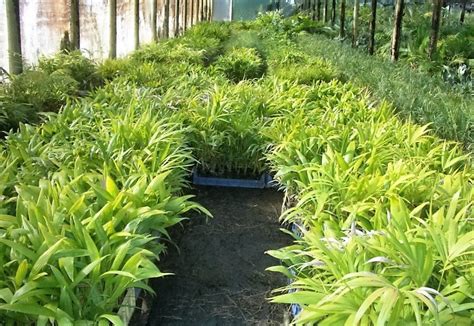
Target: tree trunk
x: 15, y: 61
x: 435, y: 23
x: 355, y: 23
x: 209, y: 10
x: 74, y: 25
x: 333, y: 12
x: 372, y: 23
x: 191, y: 13
x: 166, y: 19
x: 136, y: 23
x: 325, y: 11
x: 185, y: 15
x: 318, y: 9
x: 463, y: 12
x: 203, y: 10
x: 342, y: 27
x: 397, y: 30
x: 154, y: 13
x: 198, y: 10
x: 176, y: 17
x: 112, y: 29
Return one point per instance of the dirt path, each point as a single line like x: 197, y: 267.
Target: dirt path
x: 220, y: 276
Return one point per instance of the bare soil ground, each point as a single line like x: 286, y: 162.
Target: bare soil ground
x: 220, y: 276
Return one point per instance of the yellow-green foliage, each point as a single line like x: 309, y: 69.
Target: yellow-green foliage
x: 384, y: 211
x: 383, y: 207
x: 241, y: 63
x: 74, y: 65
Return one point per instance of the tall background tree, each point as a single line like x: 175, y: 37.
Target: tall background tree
x: 166, y: 19
x: 154, y: 17
x: 325, y: 11
x: 333, y: 12
x: 342, y: 24
x: 15, y: 60
x: 136, y: 23
x: 203, y: 10
x: 463, y: 11
x: 397, y: 30
x: 435, y: 24
x: 112, y: 29
x: 184, y: 14
x: 372, y: 26
x: 198, y: 10
x: 318, y: 10
x: 74, y: 25
x: 314, y: 6
x: 355, y: 23
x: 177, y: 9
x: 208, y: 5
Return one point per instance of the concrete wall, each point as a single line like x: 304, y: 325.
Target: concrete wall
x: 3, y: 36
x: 43, y: 23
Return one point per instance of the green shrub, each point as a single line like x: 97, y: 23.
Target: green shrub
x: 384, y: 213
x: 168, y: 52
x: 45, y: 89
x: 12, y: 114
x: 42, y: 91
x: 288, y: 55
x: 225, y: 129
x: 220, y: 31
x: 209, y: 46
x: 416, y: 95
x: 306, y: 73
x: 289, y: 63
x: 245, y: 39
x: 273, y: 25
x: 79, y: 198
x: 241, y: 63
x: 112, y: 68
x: 73, y: 64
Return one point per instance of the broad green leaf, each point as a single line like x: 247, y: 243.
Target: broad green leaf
x: 29, y: 309
x: 44, y: 258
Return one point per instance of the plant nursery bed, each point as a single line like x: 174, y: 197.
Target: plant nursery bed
x: 220, y: 276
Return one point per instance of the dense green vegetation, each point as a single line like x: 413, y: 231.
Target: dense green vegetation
x: 383, y: 205
x: 415, y: 94
x: 435, y: 90
x: 455, y: 46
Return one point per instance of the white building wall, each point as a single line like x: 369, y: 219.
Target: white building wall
x: 43, y: 23
x: 3, y: 36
